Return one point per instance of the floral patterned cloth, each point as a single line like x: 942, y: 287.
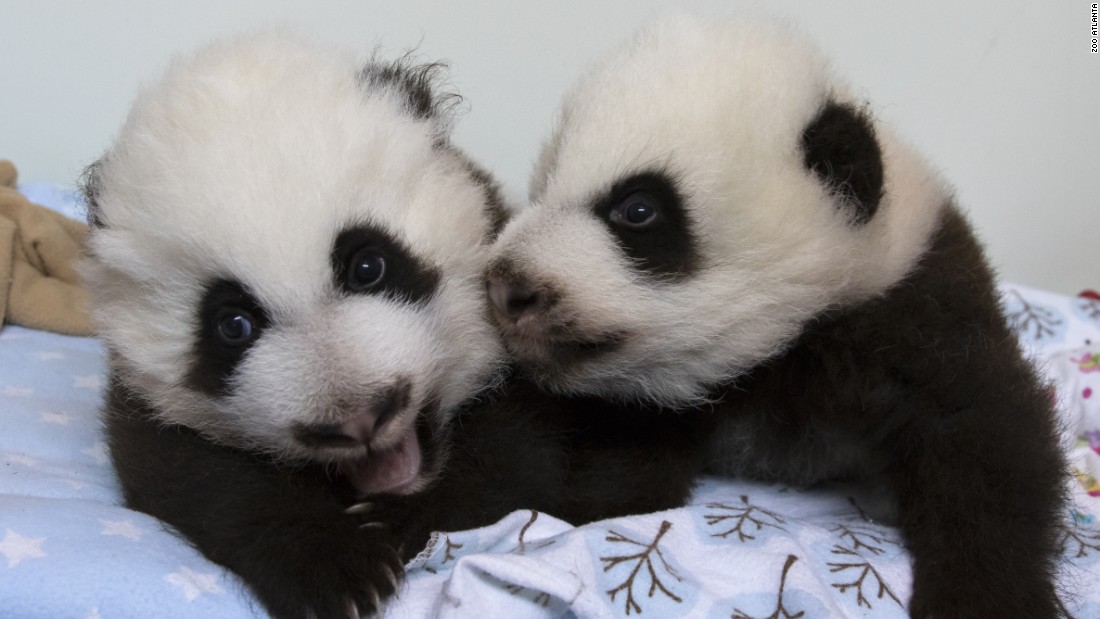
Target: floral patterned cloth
x: 1062, y: 335
x: 69, y: 550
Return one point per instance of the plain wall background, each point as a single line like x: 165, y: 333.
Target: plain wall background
x: 1004, y: 97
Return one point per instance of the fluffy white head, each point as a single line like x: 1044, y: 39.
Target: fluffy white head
x: 239, y: 195
x: 707, y: 123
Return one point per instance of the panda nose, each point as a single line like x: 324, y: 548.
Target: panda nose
x: 514, y: 300
x: 362, y: 424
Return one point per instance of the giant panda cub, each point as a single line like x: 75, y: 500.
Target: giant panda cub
x: 719, y: 225
x: 286, y: 262
x: 285, y: 259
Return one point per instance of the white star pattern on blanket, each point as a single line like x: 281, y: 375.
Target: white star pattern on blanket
x: 21, y: 459
x: 194, y: 583
x: 98, y: 452
x: 86, y: 382
x: 61, y: 419
x: 16, y: 548
x: 122, y: 528
x: 17, y: 392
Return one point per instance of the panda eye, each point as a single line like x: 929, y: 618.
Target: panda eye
x: 366, y: 269
x: 638, y: 211
x: 236, y: 327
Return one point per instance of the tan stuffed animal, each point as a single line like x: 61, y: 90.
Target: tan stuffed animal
x: 39, y: 287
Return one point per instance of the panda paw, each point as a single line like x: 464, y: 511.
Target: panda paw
x: 377, y: 512
x: 318, y: 575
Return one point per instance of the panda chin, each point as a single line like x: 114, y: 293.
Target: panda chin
x: 394, y: 470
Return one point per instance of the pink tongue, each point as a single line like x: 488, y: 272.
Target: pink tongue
x: 392, y: 471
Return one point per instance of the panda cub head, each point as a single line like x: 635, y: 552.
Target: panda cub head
x: 287, y: 256
x: 709, y: 189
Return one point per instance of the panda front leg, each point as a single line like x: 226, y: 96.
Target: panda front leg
x: 312, y: 558
x: 285, y: 531
x: 980, y: 496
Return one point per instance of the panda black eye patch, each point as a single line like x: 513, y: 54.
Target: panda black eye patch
x: 229, y: 322
x: 645, y: 212
x: 369, y: 260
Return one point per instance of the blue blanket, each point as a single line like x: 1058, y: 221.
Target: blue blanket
x: 68, y: 549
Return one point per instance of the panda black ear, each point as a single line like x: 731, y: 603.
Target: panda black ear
x: 840, y: 148
x: 89, y: 188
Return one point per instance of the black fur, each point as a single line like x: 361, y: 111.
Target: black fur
x: 840, y: 147
x: 666, y: 247
x: 494, y: 202
x: 285, y: 529
x: 90, y: 188
x: 925, y: 386
x: 416, y: 82
x: 281, y: 528
x: 407, y: 277
x: 212, y: 361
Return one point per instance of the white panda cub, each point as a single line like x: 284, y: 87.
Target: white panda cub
x: 719, y: 225
x: 286, y: 262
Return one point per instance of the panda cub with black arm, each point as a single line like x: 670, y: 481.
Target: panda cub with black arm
x: 286, y: 260
x: 719, y: 225
x: 286, y: 263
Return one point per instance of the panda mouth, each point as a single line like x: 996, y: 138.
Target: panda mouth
x: 394, y: 469
x: 538, y: 325
x: 382, y: 443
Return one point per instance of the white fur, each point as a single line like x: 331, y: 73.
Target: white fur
x: 721, y: 106
x: 245, y: 161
